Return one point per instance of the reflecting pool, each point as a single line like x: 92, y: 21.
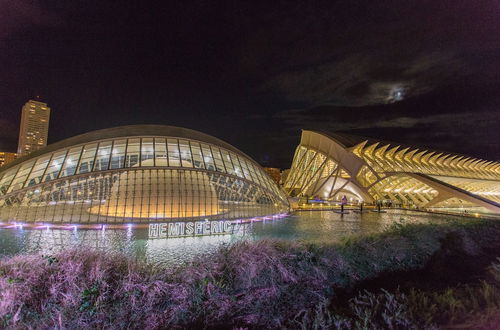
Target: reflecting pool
x: 309, y: 226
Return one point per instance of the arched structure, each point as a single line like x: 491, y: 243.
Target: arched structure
x: 330, y: 166
x: 137, y: 174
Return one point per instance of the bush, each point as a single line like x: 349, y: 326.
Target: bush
x: 465, y: 306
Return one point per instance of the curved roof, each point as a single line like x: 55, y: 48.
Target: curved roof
x: 346, y: 140
x: 128, y: 131
x: 350, y: 141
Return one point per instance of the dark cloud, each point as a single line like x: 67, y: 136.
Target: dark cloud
x: 473, y: 133
x: 415, y: 71
x: 358, y: 54
x: 16, y: 15
x: 355, y: 80
x: 302, y: 118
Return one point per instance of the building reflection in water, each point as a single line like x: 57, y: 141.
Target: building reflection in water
x: 131, y: 241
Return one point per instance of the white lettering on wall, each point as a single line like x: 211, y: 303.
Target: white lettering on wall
x: 190, y: 228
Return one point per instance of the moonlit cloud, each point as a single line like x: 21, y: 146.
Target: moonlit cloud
x: 339, y: 56
x: 354, y: 81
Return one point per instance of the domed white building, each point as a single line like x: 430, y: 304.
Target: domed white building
x: 143, y: 173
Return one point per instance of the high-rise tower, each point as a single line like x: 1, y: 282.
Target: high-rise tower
x: 34, y: 127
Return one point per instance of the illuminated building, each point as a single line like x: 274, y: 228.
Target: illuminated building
x: 274, y: 173
x: 34, y: 127
x: 284, y: 175
x: 141, y: 173
x: 330, y: 166
x: 7, y: 157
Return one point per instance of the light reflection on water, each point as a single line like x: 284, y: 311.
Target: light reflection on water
x: 310, y: 226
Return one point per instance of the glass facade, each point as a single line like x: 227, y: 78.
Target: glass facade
x: 317, y: 174
x: 330, y: 167
x: 138, y: 179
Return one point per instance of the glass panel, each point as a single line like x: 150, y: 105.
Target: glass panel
x: 237, y: 166
x: 36, y: 175
x: 244, y: 168
x: 253, y: 173
x: 87, y: 160
x: 366, y: 177
x: 197, y: 155
x: 218, y: 160
x: 118, y: 154
x: 227, y: 161
x: 344, y: 174
x: 132, y: 158
x: 147, y: 152
x: 261, y: 176
x: 54, y: 166
x: 71, y: 162
x: 207, y: 157
x: 185, y: 153
x: 103, y: 154
x: 21, y: 176
x: 173, y: 153
x: 161, y: 152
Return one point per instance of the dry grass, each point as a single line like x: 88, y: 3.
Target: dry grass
x: 249, y: 284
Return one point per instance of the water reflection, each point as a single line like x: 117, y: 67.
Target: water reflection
x: 309, y: 226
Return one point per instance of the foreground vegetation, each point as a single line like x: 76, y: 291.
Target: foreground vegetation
x: 411, y: 276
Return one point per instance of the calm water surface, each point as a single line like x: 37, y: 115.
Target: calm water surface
x: 308, y: 226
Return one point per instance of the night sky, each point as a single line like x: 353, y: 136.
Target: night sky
x: 415, y: 71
